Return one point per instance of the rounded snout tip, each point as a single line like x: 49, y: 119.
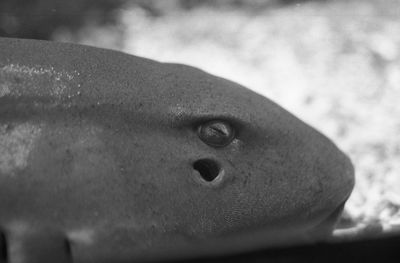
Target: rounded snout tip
x: 338, y: 180
x: 349, y: 178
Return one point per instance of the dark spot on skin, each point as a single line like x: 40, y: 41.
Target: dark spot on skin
x: 208, y: 169
x: 246, y: 179
x: 17, y: 79
x: 216, y: 133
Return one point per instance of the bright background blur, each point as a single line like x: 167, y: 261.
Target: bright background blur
x: 335, y: 64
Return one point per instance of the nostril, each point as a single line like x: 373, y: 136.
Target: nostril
x: 208, y: 169
x: 3, y: 247
x: 326, y: 226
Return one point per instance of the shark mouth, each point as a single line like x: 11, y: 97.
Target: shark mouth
x: 324, y: 229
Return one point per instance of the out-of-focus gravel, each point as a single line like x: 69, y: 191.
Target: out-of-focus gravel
x: 336, y: 65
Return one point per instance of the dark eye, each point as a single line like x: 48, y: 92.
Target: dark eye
x: 216, y: 133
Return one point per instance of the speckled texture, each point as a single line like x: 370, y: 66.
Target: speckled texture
x: 15, y: 146
x: 112, y: 140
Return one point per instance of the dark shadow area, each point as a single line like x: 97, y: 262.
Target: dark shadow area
x: 3, y: 247
x: 379, y: 249
x: 39, y: 19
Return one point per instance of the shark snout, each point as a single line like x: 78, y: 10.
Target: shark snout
x: 338, y: 182
x: 346, y: 179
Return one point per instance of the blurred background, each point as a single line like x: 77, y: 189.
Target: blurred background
x: 333, y: 63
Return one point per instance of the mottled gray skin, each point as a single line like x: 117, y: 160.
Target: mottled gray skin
x: 96, y: 161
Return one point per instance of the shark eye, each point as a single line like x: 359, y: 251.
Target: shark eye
x: 216, y: 133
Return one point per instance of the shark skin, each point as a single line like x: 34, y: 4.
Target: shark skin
x: 107, y: 156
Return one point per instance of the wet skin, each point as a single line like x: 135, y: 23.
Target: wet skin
x: 105, y: 155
